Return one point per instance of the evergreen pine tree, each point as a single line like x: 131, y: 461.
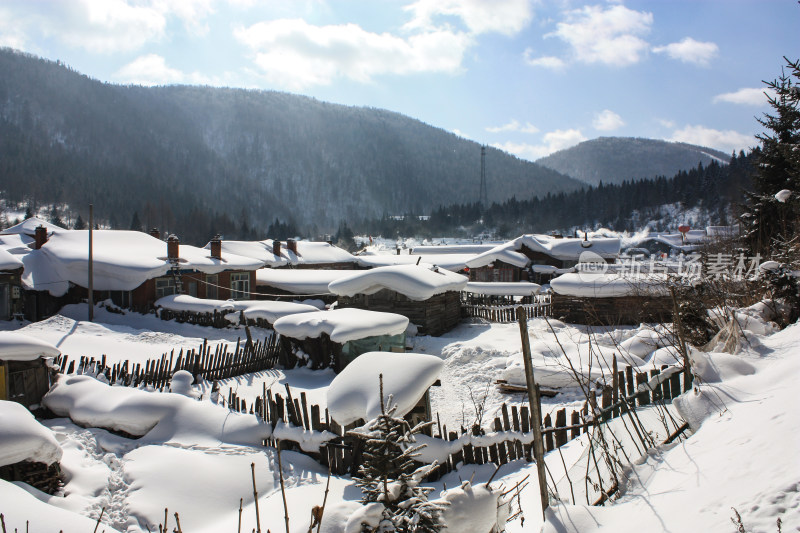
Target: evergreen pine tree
x: 388, y: 474
x: 79, y: 223
x: 28, y: 212
x: 771, y: 224
x: 55, y: 217
x: 136, y: 224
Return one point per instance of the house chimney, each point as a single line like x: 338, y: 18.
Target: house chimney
x: 291, y: 244
x: 40, y: 237
x: 173, y: 244
x: 276, y: 247
x: 155, y: 233
x: 216, y: 247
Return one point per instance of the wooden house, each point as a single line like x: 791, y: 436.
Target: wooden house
x: 132, y: 269
x: 427, y: 295
x: 24, y: 370
x: 537, y: 258
x: 10, y: 285
x: 333, y: 339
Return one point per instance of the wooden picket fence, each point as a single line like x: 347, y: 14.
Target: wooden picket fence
x: 508, y: 437
x: 505, y: 312
x: 216, y: 319
x: 203, y: 363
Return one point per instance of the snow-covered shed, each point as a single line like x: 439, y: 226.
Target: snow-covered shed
x: 452, y: 262
x: 427, y: 295
x: 29, y: 452
x: 262, y: 313
x: 336, y: 337
x: 517, y: 260
x: 10, y: 284
x: 24, y: 372
x: 355, y: 393
x: 611, y: 298
x: 134, y: 269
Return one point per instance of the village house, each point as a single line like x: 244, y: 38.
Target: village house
x: 537, y: 258
x: 10, y: 285
x: 427, y: 295
x: 334, y: 338
x: 24, y: 372
x: 130, y: 268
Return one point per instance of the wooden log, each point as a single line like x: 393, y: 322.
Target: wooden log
x: 606, y: 403
x: 643, y: 397
x: 501, y: 447
x: 524, y: 418
x: 575, y: 421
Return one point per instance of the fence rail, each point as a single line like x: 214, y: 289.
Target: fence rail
x: 203, y: 363
x: 505, y: 312
x: 508, y: 437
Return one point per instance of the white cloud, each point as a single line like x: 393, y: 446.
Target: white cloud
x: 607, y: 120
x: 514, y: 125
x: 744, y: 97
x: 152, y: 69
x: 551, y: 62
x: 295, y: 54
x: 100, y: 26
x: 612, y: 36
x: 552, y: 142
x: 690, y: 51
x: 507, y: 17
x: 725, y: 141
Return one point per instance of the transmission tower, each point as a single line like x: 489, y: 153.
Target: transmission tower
x: 484, y: 194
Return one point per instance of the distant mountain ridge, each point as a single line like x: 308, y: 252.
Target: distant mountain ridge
x: 617, y: 159
x: 201, y: 160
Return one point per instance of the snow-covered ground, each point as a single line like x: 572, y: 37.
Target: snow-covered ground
x: 196, y: 460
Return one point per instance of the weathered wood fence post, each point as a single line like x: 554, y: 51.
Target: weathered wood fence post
x: 536, y: 408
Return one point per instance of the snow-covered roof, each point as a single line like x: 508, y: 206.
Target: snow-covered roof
x: 584, y: 285
x: 416, y: 282
x: 459, y: 249
x: 354, y: 393
x: 258, y: 250
x: 25, y: 439
x: 316, y: 253
x: 122, y: 260
x: 20, y: 347
x: 299, y: 280
x: 16, y: 243
x: 28, y: 227
x: 565, y: 249
x: 451, y: 262
x: 521, y: 288
x: 266, y: 309
x: 9, y: 261
x: 341, y: 325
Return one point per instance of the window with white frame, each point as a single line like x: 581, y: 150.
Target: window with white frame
x: 240, y: 285
x: 165, y: 286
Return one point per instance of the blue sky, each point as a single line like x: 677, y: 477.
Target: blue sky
x: 527, y: 76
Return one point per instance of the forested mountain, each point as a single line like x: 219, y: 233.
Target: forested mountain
x: 617, y: 159
x: 702, y: 195
x: 201, y: 160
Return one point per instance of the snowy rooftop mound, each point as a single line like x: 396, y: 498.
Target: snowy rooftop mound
x: 341, y: 325
x: 451, y: 262
x: 16, y: 244
x: 584, y: 285
x: 28, y: 227
x: 568, y: 249
x: 259, y: 250
x: 317, y: 253
x: 8, y: 261
x: 25, y: 439
x: 122, y: 260
x: 521, y: 288
x: 184, y: 302
x: 459, y: 249
x: 299, y: 281
x: 416, y: 282
x: 270, y: 310
x: 20, y: 347
x: 354, y: 394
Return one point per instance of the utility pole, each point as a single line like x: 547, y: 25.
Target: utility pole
x: 536, y: 408
x: 91, y: 264
x: 484, y: 194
